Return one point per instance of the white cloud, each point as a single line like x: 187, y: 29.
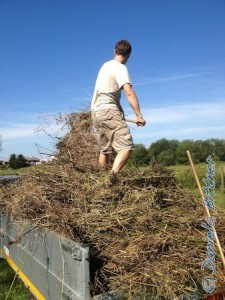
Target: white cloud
x: 170, y: 78
x: 45, y: 125
x: 210, y: 112
x: 14, y: 131
x: 149, y: 135
x: 186, y: 131
x: 193, y: 121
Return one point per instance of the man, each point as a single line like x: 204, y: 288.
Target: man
x: 107, y: 113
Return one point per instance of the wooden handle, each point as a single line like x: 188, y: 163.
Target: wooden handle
x: 131, y: 121
x: 206, y: 207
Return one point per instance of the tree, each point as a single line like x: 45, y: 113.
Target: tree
x: 139, y: 156
x: 16, y: 162
x: 213, y: 147
x: 156, y: 148
x: 203, y: 149
x: 219, y: 149
x: 167, y: 157
x: 170, y: 152
x: 164, y: 151
x: 21, y: 161
x: 13, y: 161
x: 182, y: 151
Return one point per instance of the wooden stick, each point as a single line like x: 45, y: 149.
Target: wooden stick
x: 131, y: 121
x: 206, y: 207
x: 222, y: 179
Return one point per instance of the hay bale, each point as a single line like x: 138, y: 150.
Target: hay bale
x: 144, y: 232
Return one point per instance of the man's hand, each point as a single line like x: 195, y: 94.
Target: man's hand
x: 140, y: 121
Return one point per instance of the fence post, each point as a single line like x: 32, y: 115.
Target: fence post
x: 222, y: 178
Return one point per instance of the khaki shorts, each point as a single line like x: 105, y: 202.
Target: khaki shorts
x: 112, y: 131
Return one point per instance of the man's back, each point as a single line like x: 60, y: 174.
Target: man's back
x: 111, y: 77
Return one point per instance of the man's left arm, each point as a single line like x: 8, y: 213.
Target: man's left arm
x: 133, y: 100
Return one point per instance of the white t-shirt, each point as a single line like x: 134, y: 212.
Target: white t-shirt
x: 111, y: 78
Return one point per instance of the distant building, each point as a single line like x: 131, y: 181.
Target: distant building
x: 3, y: 162
x: 32, y: 160
x: 49, y: 160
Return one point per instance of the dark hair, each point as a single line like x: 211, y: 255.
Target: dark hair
x: 123, y: 47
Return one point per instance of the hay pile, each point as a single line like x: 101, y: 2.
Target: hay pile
x: 144, y: 232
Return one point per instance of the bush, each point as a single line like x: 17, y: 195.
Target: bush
x: 17, y: 162
x: 139, y: 156
x: 164, y: 151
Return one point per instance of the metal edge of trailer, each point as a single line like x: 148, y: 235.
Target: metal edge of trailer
x: 53, y: 267
x: 119, y: 295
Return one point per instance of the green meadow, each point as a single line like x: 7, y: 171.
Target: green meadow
x: 11, y: 287
x: 185, y: 177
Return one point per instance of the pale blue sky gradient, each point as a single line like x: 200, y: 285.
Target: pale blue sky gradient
x: 51, y: 51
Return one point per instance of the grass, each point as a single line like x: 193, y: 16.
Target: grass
x: 185, y: 176
x: 4, y: 170
x: 10, y: 289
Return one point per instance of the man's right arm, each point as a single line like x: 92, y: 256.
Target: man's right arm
x: 133, y: 100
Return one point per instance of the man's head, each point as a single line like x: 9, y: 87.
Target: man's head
x: 123, y: 48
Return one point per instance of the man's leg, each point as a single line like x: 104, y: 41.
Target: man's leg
x: 103, y: 160
x: 120, y: 160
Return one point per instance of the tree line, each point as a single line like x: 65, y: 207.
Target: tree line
x: 166, y: 152
x: 15, y: 161
x: 172, y: 152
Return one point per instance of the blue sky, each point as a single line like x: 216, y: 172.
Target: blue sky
x: 51, y: 51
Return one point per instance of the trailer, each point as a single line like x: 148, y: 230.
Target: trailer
x: 51, y: 266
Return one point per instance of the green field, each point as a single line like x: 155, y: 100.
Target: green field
x: 4, y: 170
x: 184, y: 175
x: 11, y: 287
